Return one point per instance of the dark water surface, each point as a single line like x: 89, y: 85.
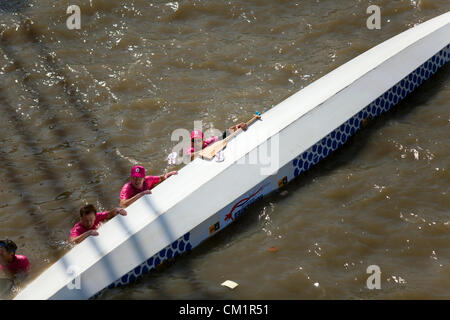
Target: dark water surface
x: 80, y: 107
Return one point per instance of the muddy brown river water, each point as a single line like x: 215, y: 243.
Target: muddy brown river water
x: 80, y: 107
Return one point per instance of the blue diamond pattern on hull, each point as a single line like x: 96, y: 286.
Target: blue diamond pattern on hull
x: 174, y: 249
x: 383, y: 103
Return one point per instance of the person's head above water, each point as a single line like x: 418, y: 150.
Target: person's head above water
x: 88, y: 213
x: 137, y: 176
x: 11, y: 263
x: 7, y: 251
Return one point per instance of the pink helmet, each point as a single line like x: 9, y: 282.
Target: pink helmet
x: 138, y: 171
x: 196, y: 134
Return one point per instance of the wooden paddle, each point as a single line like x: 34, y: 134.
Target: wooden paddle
x: 210, y: 151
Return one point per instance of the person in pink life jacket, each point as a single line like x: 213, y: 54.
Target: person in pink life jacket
x: 90, y: 221
x: 12, y: 264
x: 198, y: 142
x: 140, y: 185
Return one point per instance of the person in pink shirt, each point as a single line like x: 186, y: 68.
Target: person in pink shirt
x: 12, y: 264
x: 198, y: 142
x: 140, y: 185
x: 90, y: 221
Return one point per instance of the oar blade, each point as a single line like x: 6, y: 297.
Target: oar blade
x: 210, y: 152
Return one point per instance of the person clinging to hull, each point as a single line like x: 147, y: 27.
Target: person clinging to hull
x: 90, y: 221
x: 140, y: 185
x: 198, y: 142
x: 14, y: 266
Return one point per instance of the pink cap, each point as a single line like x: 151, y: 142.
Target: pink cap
x: 138, y: 171
x: 197, y: 134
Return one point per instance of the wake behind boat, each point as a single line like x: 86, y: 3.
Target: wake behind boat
x: 288, y: 140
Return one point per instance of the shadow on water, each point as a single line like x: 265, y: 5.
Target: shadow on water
x: 25, y: 131
x: 69, y: 89
x: 19, y: 186
x: 13, y: 6
x: 37, y: 217
x: 28, y: 140
x: 27, y: 136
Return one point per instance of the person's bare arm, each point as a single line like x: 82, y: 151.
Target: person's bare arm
x: 114, y: 212
x: 242, y: 125
x: 126, y: 202
x: 165, y: 176
x: 83, y: 236
x: 234, y: 128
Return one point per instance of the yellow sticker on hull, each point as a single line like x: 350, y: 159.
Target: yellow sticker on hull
x: 214, y: 227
